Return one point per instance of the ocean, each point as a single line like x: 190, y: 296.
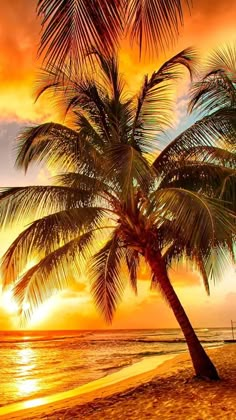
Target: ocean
x: 40, y: 363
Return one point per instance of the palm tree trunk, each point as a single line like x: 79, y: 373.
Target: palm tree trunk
x: 203, y: 366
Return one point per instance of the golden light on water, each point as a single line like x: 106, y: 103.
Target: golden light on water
x: 24, y: 386
x: 25, y: 359
x: 27, y: 387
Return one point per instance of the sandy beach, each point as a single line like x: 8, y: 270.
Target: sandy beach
x: 166, y: 392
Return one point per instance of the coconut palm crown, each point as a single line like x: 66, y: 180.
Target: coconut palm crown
x: 116, y: 201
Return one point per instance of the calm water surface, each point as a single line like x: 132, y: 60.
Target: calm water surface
x: 39, y: 363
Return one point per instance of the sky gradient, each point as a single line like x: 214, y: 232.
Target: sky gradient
x: 211, y: 24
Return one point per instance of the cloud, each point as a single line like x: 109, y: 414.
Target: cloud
x: 9, y: 176
x: 19, y: 36
x: 19, y: 40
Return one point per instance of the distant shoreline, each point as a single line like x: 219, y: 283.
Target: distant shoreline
x: 19, y: 331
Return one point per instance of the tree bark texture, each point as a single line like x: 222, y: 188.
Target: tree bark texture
x: 203, y: 366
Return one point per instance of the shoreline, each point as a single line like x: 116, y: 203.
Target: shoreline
x: 138, y: 369
x: 166, y: 391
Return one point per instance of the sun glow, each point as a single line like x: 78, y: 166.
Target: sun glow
x: 41, y: 313
x: 10, y: 306
x: 8, y: 303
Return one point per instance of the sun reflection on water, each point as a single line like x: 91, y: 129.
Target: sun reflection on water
x: 26, y: 386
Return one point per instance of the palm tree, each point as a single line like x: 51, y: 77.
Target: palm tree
x: 111, y: 206
x: 72, y: 27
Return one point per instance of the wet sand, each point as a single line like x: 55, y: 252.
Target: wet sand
x: 166, y: 392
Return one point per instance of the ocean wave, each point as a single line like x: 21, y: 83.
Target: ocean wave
x: 202, y: 329
x: 42, y: 338
x: 175, y: 340
x: 84, y: 339
x: 118, y: 366
x: 151, y: 353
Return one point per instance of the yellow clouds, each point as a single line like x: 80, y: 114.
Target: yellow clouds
x: 212, y: 22
x: 19, y: 39
x: 18, y: 45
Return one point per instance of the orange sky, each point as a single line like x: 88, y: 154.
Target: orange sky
x: 212, y: 23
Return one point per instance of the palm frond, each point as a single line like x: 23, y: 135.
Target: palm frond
x: 218, y: 129
x: 87, y: 97
x: 185, y: 59
x: 107, y: 283
x: 109, y: 72
x: 128, y: 167
x: 223, y: 58
x: 228, y: 192
x: 72, y: 27
x: 198, y: 221
x: 154, y: 102
x: 217, y: 262
x: 120, y: 117
x: 50, y: 79
x: 211, y: 155
x: 215, y: 91
x: 199, y: 176
x: 89, y: 129
x: 154, y: 23
x: 211, y: 263
x: 93, y: 184
x: 54, y: 144
x: 51, y: 274
x: 132, y: 261
x: 19, y: 203
x: 99, y: 107
x: 200, y: 261
x: 44, y: 236
x: 216, y: 88
x: 80, y: 98
x: 189, y: 257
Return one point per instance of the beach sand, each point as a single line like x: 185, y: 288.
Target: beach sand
x: 166, y: 392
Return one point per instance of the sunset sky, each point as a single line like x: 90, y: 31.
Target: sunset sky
x: 211, y: 24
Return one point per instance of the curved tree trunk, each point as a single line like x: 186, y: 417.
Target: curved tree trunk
x: 202, y: 364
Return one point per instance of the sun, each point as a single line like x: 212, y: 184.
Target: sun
x: 10, y: 306
x: 8, y: 303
